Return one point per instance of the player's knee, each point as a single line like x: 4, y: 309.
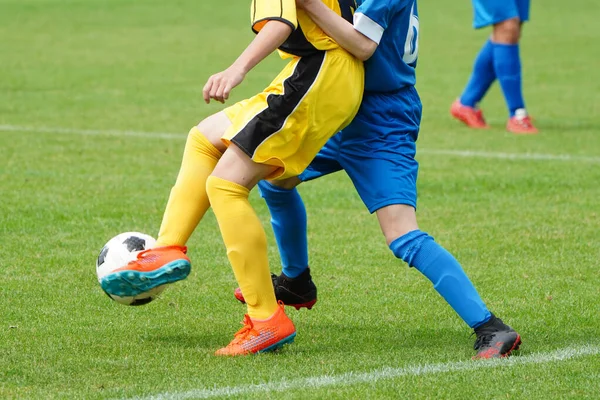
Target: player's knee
x: 213, y: 128
x: 507, y: 32
x: 198, y: 143
x: 397, y: 220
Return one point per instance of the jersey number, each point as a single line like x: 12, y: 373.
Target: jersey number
x: 411, y: 46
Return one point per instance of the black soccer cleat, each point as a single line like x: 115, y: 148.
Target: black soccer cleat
x: 295, y: 292
x: 495, y: 339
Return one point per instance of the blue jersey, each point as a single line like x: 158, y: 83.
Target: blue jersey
x: 394, y: 26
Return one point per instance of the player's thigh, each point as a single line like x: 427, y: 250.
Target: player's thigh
x: 215, y: 126
x: 325, y: 162
x: 491, y: 12
x: 237, y: 167
x: 383, y: 180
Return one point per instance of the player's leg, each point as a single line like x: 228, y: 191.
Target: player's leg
x: 391, y: 199
x: 422, y: 252
x: 167, y: 261
x: 266, y: 326
x: 466, y: 107
x: 288, y: 219
x: 294, y: 286
x: 419, y: 250
x: 507, y: 64
x: 482, y: 77
x: 387, y: 186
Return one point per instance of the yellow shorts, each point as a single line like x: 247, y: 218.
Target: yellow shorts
x: 286, y: 125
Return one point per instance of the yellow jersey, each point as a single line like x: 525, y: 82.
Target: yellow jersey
x: 307, y: 38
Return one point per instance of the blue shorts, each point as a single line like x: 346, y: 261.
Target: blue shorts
x: 377, y: 150
x: 490, y: 12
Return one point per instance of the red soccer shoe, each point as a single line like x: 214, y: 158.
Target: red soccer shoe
x: 470, y: 116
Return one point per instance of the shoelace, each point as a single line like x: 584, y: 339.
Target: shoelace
x: 482, y: 340
x: 246, y: 330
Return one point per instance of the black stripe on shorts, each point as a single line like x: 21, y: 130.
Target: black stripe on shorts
x: 280, y: 106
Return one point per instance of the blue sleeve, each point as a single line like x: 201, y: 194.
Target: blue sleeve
x: 381, y: 11
x: 373, y: 16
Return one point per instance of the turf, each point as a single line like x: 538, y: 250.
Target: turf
x: 525, y: 229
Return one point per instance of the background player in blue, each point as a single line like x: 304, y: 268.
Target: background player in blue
x: 498, y: 59
x: 377, y: 151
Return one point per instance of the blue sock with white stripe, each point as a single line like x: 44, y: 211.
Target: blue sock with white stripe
x: 288, y: 218
x: 420, y: 251
x: 482, y: 77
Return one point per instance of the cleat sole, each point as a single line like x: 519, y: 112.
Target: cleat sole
x: 280, y: 344
x: 133, y: 283
x: 309, y: 305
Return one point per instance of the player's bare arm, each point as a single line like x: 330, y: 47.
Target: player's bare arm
x: 270, y: 37
x: 339, y: 29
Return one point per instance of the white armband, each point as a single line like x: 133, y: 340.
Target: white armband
x: 368, y: 27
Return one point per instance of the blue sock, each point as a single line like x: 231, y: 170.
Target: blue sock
x: 288, y: 218
x: 507, y: 64
x: 420, y: 251
x: 482, y: 77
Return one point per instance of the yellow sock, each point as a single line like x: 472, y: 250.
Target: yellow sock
x: 246, y: 244
x: 188, y: 201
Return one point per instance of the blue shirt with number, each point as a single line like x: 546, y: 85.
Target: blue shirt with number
x: 394, y: 25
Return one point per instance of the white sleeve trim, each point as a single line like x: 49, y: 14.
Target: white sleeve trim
x: 368, y: 27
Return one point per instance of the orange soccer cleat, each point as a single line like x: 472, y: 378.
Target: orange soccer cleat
x: 151, y: 268
x: 470, y: 116
x: 260, y: 336
x: 521, y: 124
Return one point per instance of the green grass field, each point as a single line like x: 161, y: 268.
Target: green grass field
x: 86, y: 84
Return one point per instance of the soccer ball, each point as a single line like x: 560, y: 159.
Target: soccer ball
x: 117, y: 253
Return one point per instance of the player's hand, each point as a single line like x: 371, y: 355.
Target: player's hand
x: 219, y: 85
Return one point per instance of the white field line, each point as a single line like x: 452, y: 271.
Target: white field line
x: 92, y: 132
x: 513, y: 156
x: 182, y: 136
x: 389, y: 373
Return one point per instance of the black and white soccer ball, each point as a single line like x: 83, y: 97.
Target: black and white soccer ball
x: 117, y: 253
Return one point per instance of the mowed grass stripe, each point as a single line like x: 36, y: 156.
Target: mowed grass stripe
x: 354, y: 378
x: 441, y: 152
